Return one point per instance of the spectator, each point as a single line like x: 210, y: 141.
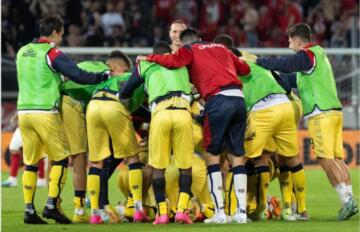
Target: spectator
x: 163, y: 10
x: 187, y: 11
x: 74, y: 38
x: 111, y: 18
x: 251, y: 23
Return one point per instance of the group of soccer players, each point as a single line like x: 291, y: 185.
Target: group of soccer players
x: 214, y: 112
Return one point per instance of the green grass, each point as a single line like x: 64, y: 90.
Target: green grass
x: 322, y: 201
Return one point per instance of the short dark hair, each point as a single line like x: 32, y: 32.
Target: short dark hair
x: 117, y: 54
x: 225, y: 40
x: 301, y: 30
x: 161, y: 47
x: 50, y: 23
x: 235, y: 51
x: 189, y: 35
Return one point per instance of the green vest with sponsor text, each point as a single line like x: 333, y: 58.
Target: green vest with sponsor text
x: 39, y: 86
x: 318, y: 88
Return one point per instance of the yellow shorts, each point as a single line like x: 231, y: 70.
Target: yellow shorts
x: 296, y: 103
x: 277, y: 122
x: 326, y: 134
x: 171, y: 133
x: 110, y: 120
x: 199, y: 185
x: 196, y: 108
x: 197, y: 137
x: 43, y: 133
x: 73, y: 117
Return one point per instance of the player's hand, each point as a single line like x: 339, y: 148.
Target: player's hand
x: 106, y: 75
x: 140, y: 58
x: 247, y: 56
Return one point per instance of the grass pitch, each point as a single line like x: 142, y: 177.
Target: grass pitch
x: 322, y: 202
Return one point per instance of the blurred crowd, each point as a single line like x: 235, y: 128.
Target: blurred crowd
x: 140, y: 23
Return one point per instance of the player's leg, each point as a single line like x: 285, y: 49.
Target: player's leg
x: 230, y: 197
x: 183, y: 157
x: 73, y: 118
x: 339, y: 155
x: 286, y: 187
x: 98, y: 140
x: 214, y: 128
x: 347, y: 178
x: 325, y: 130
x: 58, y: 151
x: 159, y: 156
x: 15, y: 148
x: 41, y: 182
x: 263, y: 171
x: 108, y: 213
x: 172, y: 187
x: 32, y: 154
x: 252, y: 189
x: 125, y: 209
x: 259, y: 130
x: 125, y: 144
x: 79, y: 163
x: 158, y: 184
x: 199, y: 186
x: 93, y: 186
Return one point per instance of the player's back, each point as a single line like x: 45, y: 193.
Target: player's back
x: 160, y: 81
x: 212, y: 68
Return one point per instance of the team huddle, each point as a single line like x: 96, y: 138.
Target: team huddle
x: 199, y: 129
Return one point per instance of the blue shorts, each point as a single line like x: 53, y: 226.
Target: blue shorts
x: 224, y: 125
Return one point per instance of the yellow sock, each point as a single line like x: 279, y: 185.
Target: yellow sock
x: 135, y: 181
x: 29, y: 186
x: 129, y: 209
x: 208, y: 210
x: 286, y: 185
x: 162, y: 206
x: 57, y: 180
x: 263, y: 184
x: 93, y: 186
x: 298, y: 176
x: 183, y: 201
x: 230, y: 197
x: 252, y: 193
x: 79, y: 202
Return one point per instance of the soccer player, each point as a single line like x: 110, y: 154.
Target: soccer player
x: 16, y: 148
x: 39, y: 67
x: 106, y: 119
x: 75, y: 98
x: 176, y: 28
x: 321, y: 106
x: 170, y: 128
x: 272, y: 126
x: 213, y: 70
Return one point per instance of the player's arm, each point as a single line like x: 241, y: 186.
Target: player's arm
x: 302, y: 61
x: 242, y: 68
x: 289, y: 79
x: 180, y: 59
x: 130, y: 85
x: 59, y: 62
